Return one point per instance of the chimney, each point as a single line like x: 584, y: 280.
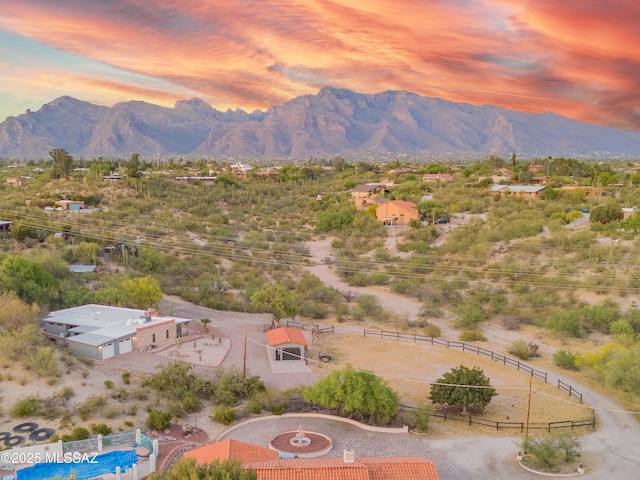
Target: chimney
x: 349, y: 456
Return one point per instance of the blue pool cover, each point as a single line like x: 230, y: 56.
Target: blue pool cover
x: 83, y: 465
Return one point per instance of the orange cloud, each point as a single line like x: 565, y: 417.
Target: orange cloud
x: 577, y: 58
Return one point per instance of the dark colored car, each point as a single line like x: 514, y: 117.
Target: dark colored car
x: 442, y: 220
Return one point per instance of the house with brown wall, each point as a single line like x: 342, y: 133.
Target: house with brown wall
x: 529, y: 192
x: 362, y: 196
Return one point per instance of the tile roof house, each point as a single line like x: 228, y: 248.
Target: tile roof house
x: 286, y: 344
x: 362, y: 195
x: 229, y: 448
x: 396, y: 212
x: 270, y: 466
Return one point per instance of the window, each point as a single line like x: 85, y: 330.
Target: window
x: 166, y: 333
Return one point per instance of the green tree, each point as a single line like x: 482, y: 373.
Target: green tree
x: 631, y: 223
x: 277, y: 300
x: 355, y: 393
x: 187, y: 469
x: 62, y: 163
x: 29, y: 280
x: 142, y: 292
x: 133, y: 166
x: 606, y: 213
x: 456, y: 389
x: 336, y: 221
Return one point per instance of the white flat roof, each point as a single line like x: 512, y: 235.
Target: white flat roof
x: 111, y: 322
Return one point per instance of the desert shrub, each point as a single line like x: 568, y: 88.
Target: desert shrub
x: 278, y: 409
x: 100, y: 429
x: 91, y: 405
x: 622, y: 329
x: 566, y: 323
x: 405, y: 287
x: 126, y: 378
x: 223, y: 414
x: 431, y: 331
x: 24, y: 407
x: 158, y: 420
x: 67, y: 393
x: 511, y: 323
x: 600, y: 317
x: 380, y: 278
x: 565, y: 359
x: 522, y: 349
x: 79, y: 433
x: 44, y: 362
x: 472, y: 335
x: 419, y: 418
x: 108, y: 384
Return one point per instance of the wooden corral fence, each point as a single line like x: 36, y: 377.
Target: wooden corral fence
x: 500, y: 425
x: 316, y: 330
x: 465, y: 347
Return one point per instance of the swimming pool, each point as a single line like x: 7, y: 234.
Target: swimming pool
x: 84, y: 466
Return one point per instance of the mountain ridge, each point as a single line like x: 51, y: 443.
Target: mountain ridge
x: 331, y: 122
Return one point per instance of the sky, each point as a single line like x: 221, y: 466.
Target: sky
x: 577, y: 58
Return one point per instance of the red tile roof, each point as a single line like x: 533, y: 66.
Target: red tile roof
x: 309, y: 469
x: 226, y: 449
x: 365, y: 468
x: 281, y: 335
x: 400, y: 468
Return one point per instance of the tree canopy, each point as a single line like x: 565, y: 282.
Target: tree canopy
x: 62, y: 163
x: 142, y: 292
x: 355, y: 393
x: 455, y: 389
x: 277, y: 300
x: 29, y: 280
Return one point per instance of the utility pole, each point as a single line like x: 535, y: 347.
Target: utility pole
x: 526, y: 430
x: 244, y: 367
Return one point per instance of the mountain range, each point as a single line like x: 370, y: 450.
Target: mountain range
x: 333, y: 122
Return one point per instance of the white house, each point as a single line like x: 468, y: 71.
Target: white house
x: 101, y: 332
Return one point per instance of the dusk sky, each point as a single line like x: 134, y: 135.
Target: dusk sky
x: 578, y: 58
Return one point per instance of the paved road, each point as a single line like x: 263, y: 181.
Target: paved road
x: 612, y: 452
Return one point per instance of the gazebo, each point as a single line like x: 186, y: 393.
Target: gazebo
x: 286, y: 344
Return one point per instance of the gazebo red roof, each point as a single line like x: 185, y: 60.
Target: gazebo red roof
x: 281, y: 335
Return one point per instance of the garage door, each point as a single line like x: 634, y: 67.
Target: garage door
x: 108, y: 351
x: 124, y: 346
x: 291, y: 353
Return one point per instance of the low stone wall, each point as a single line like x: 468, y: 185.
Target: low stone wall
x: 371, y: 428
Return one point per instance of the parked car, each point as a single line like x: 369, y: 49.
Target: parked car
x: 585, y: 210
x: 440, y: 221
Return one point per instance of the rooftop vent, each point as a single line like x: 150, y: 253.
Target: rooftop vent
x: 349, y: 456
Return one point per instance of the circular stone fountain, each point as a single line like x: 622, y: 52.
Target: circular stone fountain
x: 301, y: 444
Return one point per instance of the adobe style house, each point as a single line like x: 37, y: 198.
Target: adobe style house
x: 363, y: 195
x: 589, y: 192
x: 270, y: 466
x: 396, y: 212
x: 437, y: 177
x: 528, y: 192
x: 70, y: 204
x: 101, y: 332
x: 16, y: 181
x: 627, y: 212
x: 286, y: 344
